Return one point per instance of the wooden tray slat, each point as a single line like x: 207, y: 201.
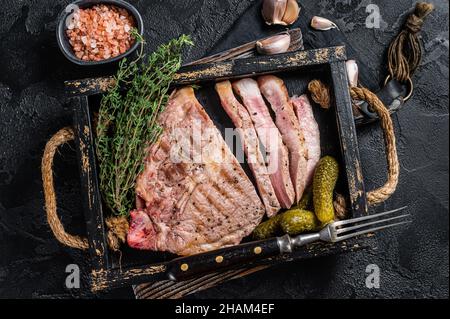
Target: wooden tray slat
x: 348, y: 138
x: 222, y: 70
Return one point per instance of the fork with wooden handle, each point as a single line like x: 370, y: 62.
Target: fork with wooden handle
x: 186, y: 267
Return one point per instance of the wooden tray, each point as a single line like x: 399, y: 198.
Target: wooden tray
x: 338, y: 134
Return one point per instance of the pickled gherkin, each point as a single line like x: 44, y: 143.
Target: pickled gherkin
x: 324, y: 182
x: 267, y: 229
x: 306, y: 200
x: 297, y: 221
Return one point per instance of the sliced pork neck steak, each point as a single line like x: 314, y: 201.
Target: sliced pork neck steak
x: 250, y: 143
x: 311, y: 133
x: 270, y: 137
x: 275, y: 92
x: 194, y: 201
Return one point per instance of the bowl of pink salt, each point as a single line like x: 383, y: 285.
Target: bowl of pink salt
x: 92, y: 32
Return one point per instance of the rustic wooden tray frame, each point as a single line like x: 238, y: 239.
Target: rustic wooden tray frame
x: 102, y: 274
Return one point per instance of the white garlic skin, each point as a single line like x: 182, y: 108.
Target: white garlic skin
x: 273, y: 11
x: 281, y: 12
x: 322, y: 24
x: 352, y: 72
x: 292, y: 12
x: 274, y: 45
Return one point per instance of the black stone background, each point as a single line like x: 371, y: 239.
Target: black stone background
x: 413, y: 261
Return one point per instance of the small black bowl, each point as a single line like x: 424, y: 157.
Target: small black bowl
x: 63, y: 41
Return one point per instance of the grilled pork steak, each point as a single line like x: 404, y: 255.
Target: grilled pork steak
x: 270, y: 138
x: 311, y: 133
x: 275, y: 92
x: 250, y: 143
x: 197, y: 196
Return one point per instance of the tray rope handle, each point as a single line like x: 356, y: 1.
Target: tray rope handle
x: 117, y: 226
x: 382, y: 193
x: 61, y: 137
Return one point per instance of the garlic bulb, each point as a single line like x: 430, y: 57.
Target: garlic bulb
x: 352, y: 72
x: 322, y: 24
x: 283, y: 12
x: 273, y: 45
x: 292, y: 12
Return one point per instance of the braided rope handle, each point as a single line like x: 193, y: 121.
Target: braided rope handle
x: 382, y: 193
x: 60, y: 138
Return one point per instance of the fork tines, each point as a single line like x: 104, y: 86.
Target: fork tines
x: 362, y: 225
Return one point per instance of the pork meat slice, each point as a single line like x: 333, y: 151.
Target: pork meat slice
x: 310, y: 130
x: 250, y: 144
x: 196, y: 195
x: 275, y: 92
x: 276, y: 152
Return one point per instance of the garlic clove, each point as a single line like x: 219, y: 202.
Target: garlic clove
x: 273, y: 11
x: 352, y: 72
x: 274, y: 45
x: 292, y: 12
x: 322, y: 24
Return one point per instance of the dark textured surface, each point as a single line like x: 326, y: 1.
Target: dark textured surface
x: 413, y: 261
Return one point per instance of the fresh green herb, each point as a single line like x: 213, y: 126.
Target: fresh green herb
x: 127, y: 122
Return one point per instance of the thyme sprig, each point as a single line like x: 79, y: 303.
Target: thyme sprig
x: 127, y: 122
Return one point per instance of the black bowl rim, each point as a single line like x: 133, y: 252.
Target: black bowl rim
x: 62, y: 37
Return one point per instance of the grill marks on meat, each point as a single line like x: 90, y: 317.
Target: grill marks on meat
x: 275, y: 92
x: 250, y: 143
x: 311, y: 133
x: 277, y: 153
x: 192, y: 206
